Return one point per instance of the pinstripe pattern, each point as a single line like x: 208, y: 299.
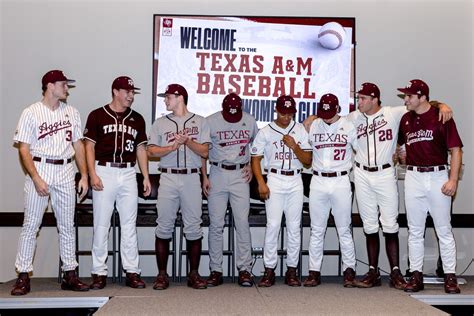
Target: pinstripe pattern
x: 50, y: 135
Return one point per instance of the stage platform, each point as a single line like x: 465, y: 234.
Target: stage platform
x: 330, y: 298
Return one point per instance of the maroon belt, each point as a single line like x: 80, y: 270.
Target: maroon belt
x: 179, y: 171
x: 373, y: 169
x: 229, y: 167
x: 330, y: 174
x: 284, y: 172
x: 116, y: 164
x: 426, y: 169
x: 53, y: 161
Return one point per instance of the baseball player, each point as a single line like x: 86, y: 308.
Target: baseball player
x: 180, y: 139
x: 429, y: 186
x: 284, y: 146
x: 115, y: 140
x: 49, y: 135
x: 332, y: 139
x: 232, y: 130
x: 375, y: 179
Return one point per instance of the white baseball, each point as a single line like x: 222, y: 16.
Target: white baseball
x: 332, y: 35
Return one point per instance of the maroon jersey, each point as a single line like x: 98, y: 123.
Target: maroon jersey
x: 116, y: 135
x: 427, y: 139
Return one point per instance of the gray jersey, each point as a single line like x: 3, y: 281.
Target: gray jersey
x: 163, y: 134
x: 230, y: 141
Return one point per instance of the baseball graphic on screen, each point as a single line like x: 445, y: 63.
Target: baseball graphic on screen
x: 332, y: 35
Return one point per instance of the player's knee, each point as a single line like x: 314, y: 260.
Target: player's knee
x: 416, y: 232
x: 371, y: 228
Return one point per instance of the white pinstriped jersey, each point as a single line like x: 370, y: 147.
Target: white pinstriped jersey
x: 377, y: 134
x: 164, y: 131
x: 332, y: 145
x: 49, y: 133
x: 231, y: 141
x: 269, y: 143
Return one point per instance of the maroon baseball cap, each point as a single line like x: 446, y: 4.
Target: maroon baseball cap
x: 53, y: 76
x: 125, y: 83
x: 328, y: 106
x: 285, y: 104
x: 370, y: 89
x: 416, y: 86
x: 174, y: 88
x: 232, y: 108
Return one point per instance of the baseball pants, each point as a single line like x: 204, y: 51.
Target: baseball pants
x: 286, y: 195
x: 422, y: 195
x: 228, y: 185
x: 120, y: 191
x: 374, y: 191
x: 60, y: 180
x: 179, y: 191
x: 335, y: 195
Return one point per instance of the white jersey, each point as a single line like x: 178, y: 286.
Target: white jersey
x: 50, y: 134
x: 377, y: 135
x: 332, y: 145
x: 230, y: 141
x: 164, y: 131
x: 269, y: 143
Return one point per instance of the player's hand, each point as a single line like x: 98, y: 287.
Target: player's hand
x: 182, y: 138
x: 174, y: 146
x: 449, y: 188
x: 402, y: 155
x: 247, y: 173
x: 289, y: 142
x: 445, y: 112
x: 146, y: 187
x: 41, y: 186
x: 82, y: 187
x: 206, y: 186
x: 308, y: 121
x: 263, y: 191
x: 96, y: 183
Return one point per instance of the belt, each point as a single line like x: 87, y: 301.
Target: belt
x: 179, y: 171
x: 229, y: 167
x: 426, y: 169
x: 330, y: 174
x: 284, y: 172
x: 373, y: 169
x: 53, y: 161
x: 116, y: 164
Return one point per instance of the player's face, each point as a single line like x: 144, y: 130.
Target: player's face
x: 125, y: 97
x: 412, y: 101
x: 283, y: 120
x: 60, y: 89
x: 367, y: 104
x: 171, y: 101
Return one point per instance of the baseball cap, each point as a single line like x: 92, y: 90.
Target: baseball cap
x: 232, y: 108
x: 285, y: 104
x: 174, y: 88
x: 125, y: 83
x: 328, y: 106
x: 416, y: 86
x: 370, y: 89
x: 53, y: 76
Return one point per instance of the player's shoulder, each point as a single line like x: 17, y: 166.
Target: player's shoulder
x: 214, y: 116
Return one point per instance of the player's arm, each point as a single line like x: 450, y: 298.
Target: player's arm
x: 198, y: 148
x: 80, y: 156
x: 263, y: 189
x: 96, y: 181
x: 40, y: 185
x: 142, y: 159
x: 451, y: 186
x: 206, y: 184
x: 308, y: 121
x: 304, y: 156
x: 155, y: 151
x: 445, y: 112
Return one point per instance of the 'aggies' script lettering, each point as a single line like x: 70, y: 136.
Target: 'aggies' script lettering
x: 363, y: 129
x: 170, y: 136
x: 419, y: 136
x: 112, y: 128
x: 45, y: 129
